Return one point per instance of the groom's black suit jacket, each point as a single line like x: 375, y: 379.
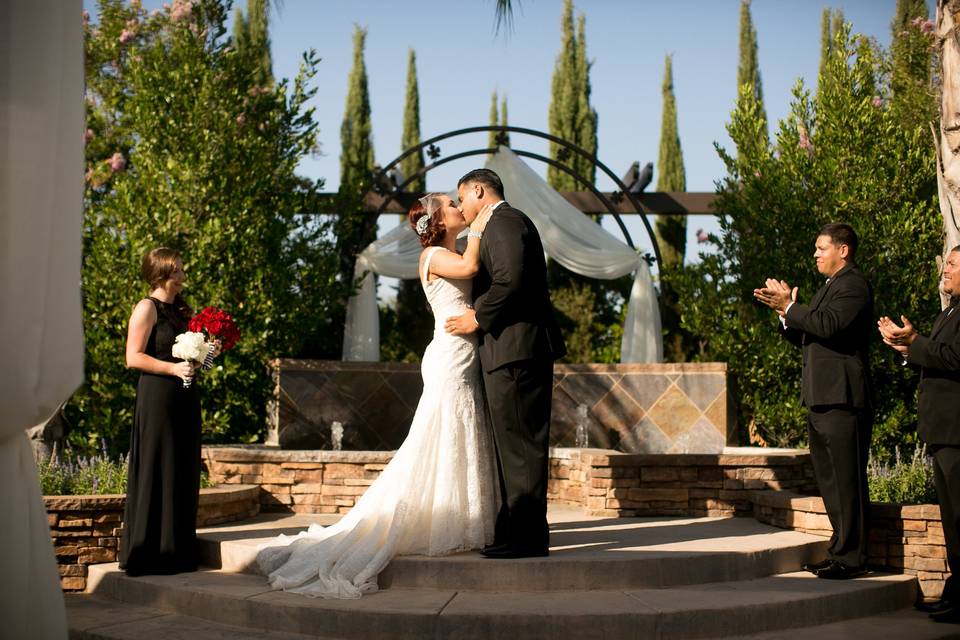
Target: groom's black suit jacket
x: 939, y: 358
x: 510, y: 293
x: 834, y: 332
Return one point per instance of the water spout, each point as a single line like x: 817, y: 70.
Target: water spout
x: 336, y: 435
x: 583, y: 433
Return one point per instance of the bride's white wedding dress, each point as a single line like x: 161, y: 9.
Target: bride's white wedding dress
x: 438, y: 494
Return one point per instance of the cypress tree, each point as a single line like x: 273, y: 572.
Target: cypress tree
x: 748, y: 70
x: 913, y: 99
x: 494, y: 121
x: 355, y: 229
x: 251, y: 36
x: 831, y: 23
x: 671, y: 230
x: 586, y: 123
x: 503, y: 120
x: 562, y: 114
x: 826, y: 40
x: 589, y: 309
x: 411, y: 129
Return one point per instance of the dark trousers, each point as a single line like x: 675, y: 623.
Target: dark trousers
x: 946, y: 470
x: 839, y: 446
x: 519, y: 397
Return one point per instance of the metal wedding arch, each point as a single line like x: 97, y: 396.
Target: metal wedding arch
x: 391, y: 193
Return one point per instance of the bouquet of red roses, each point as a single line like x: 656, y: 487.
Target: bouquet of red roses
x: 218, y: 326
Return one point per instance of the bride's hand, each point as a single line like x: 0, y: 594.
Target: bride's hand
x: 480, y: 222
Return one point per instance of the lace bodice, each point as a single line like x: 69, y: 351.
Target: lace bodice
x: 446, y: 297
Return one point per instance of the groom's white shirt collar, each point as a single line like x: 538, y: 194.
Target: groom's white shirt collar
x: 498, y: 204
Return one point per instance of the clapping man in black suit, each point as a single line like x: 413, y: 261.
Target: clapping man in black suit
x: 519, y: 340
x: 938, y: 418
x: 833, y: 332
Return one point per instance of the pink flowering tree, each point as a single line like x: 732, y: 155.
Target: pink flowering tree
x: 182, y: 151
x: 842, y: 154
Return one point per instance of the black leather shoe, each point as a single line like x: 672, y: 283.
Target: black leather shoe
x: 509, y: 553
x: 813, y: 567
x: 950, y: 616
x: 936, y: 606
x: 840, y: 571
x: 496, y: 546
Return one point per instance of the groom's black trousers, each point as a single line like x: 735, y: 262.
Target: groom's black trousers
x: 519, y: 396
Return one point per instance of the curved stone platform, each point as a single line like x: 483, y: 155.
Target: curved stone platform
x: 586, y: 553
x: 605, y: 578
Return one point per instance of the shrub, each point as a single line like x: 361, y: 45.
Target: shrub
x: 903, y: 482
x: 184, y: 151
x: 841, y: 155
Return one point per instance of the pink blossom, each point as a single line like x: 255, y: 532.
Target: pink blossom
x: 134, y: 4
x: 181, y: 9
x: 86, y: 17
x: 702, y: 236
x: 126, y: 36
x: 877, y: 101
x: 241, y: 119
x: 756, y: 174
x: 155, y: 13
x: 87, y: 136
x: 916, y: 21
x: 927, y: 26
x: 88, y: 176
x: 117, y: 162
x: 805, y: 139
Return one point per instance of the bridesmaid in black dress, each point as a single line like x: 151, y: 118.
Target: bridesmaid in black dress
x: 163, y: 482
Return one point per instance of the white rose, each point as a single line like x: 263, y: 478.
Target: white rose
x: 190, y: 346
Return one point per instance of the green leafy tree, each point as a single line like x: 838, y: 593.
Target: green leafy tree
x: 748, y: 69
x: 251, y: 37
x: 183, y: 152
x: 671, y: 230
x: 840, y: 155
x: 355, y: 229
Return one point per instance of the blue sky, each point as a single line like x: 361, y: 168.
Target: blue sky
x: 461, y: 61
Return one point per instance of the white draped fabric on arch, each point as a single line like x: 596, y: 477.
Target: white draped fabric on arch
x: 41, y: 196
x: 569, y: 236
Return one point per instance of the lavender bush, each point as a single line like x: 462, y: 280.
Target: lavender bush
x: 98, y: 474
x: 903, y: 481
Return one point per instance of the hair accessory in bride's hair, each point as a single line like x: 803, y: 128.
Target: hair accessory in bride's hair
x: 430, y: 206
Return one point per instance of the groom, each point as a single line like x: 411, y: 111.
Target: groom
x: 519, y: 340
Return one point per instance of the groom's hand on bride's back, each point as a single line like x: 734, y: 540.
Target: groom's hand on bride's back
x: 463, y: 324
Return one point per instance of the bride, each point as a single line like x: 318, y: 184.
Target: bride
x: 438, y: 494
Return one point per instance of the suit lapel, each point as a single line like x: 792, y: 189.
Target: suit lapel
x: 944, y: 319
x: 822, y: 291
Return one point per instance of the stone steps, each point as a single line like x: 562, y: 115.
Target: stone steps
x: 95, y: 618
x: 597, y: 553
x: 723, y: 609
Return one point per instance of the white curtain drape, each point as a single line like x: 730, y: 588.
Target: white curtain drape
x: 569, y: 237
x: 41, y: 340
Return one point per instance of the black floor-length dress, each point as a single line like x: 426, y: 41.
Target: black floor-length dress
x: 163, y: 485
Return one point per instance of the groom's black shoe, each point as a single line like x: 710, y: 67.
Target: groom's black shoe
x: 813, y: 567
x: 937, y: 606
x: 507, y: 552
x: 949, y: 616
x: 496, y: 546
